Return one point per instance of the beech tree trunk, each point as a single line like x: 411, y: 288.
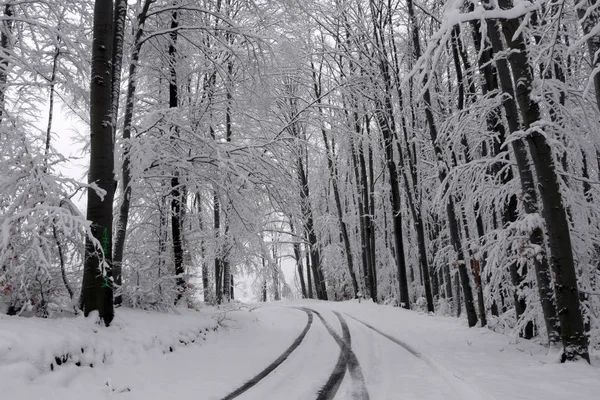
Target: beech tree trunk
x: 298, y: 258
x: 387, y: 125
x: 227, y: 276
x: 530, y: 197
x: 117, y: 62
x: 117, y: 59
x: 97, y: 285
x: 453, y: 224
x: 334, y: 186
x: 205, y: 278
x: 315, y: 255
x: 123, y: 218
x: 289, y: 105
x: 176, y: 189
x: 574, y: 339
x: 490, y: 83
x: 218, y: 258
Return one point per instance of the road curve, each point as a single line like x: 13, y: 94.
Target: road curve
x: 261, y: 375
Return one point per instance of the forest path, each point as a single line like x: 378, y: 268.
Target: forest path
x: 304, y: 370
x: 378, y: 368
x: 348, y: 351
x: 370, y: 365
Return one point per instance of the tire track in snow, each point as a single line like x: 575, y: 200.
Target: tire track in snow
x: 347, y: 360
x: 329, y: 390
x: 252, y: 382
x: 459, y: 386
x: 359, y: 392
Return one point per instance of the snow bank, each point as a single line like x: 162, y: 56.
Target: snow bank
x: 31, y: 347
x: 141, y: 356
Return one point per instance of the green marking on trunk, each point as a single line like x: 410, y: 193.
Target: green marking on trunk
x: 105, y: 241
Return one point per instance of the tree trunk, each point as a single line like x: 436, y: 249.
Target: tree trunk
x: 205, y: 279
x: 228, y: 137
x: 51, y: 102
x: 162, y: 242
x: 315, y: 256
x: 530, y: 197
x: 411, y: 178
x: 176, y: 189
x: 453, y: 226
x: 369, y: 203
x: 117, y: 63
x: 396, y: 204
x: 298, y: 258
x: 509, y: 213
x: 117, y: 59
x: 218, y: 259
x: 463, y: 82
x: 121, y: 228
x: 308, y: 274
x: 385, y: 118
x: 336, y: 192
x: 7, y: 27
x: 97, y: 286
x: 574, y: 339
x: 275, y: 275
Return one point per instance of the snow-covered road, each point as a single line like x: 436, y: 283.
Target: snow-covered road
x: 294, y: 350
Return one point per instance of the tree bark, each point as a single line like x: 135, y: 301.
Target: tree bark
x: 574, y: 339
x: 509, y: 212
x: 176, y: 189
x: 290, y: 110
x: 97, y: 285
x: 298, y: 258
x: 453, y: 226
x: 205, y: 279
x: 308, y: 275
x: 218, y: 258
x: 387, y: 125
x: 117, y: 59
x: 228, y: 137
x: 117, y: 62
x: 334, y: 186
x: 123, y: 218
x: 530, y: 197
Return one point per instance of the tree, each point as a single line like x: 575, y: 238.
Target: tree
x: 97, y: 286
x: 573, y: 336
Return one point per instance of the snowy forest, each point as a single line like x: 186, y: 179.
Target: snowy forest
x: 441, y: 156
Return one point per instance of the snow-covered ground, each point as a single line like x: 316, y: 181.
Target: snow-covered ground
x: 388, y: 353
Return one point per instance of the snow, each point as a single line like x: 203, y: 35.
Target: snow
x: 211, y: 352
x: 475, y: 363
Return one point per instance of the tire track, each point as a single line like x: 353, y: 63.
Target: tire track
x: 252, y: 382
x: 329, y: 390
x: 361, y: 391
x: 457, y: 384
x: 347, y: 360
x: 400, y: 343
